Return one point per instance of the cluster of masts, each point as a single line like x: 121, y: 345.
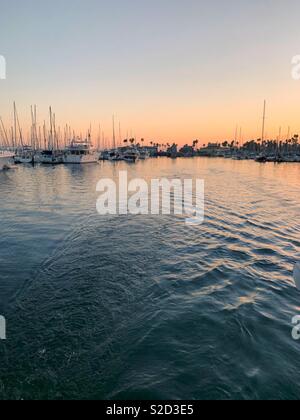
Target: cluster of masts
x: 48, y: 144
x: 50, y: 136
x: 45, y: 137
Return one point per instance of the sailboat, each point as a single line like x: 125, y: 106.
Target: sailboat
x: 112, y: 154
x: 24, y: 153
x: 131, y: 155
x: 144, y: 154
x: 262, y: 158
x: 6, y: 156
x: 51, y: 155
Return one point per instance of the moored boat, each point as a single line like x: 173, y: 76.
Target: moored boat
x: 115, y: 156
x: 262, y: 158
x: 131, y: 156
x: 24, y: 155
x: 144, y: 154
x: 49, y: 157
x: 104, y: 155
x: 80, y: 152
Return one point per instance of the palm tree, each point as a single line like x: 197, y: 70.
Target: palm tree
x: 195, y: 142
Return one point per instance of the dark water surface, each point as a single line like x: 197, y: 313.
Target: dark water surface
x: 148, y: 307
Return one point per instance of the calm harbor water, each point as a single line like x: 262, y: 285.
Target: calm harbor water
x: 148, y: 307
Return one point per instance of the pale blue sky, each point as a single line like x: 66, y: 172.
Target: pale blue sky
x: 163, y: 66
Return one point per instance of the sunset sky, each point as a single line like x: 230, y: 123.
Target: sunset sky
x: 168, y: 69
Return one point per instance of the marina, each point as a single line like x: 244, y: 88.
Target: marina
x: 149, y: 203
x: 80, y: 152
x: 77, y: 150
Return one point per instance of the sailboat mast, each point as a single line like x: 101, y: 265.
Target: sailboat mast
x: 45, y: 139
x: 56, y: 147
x: 19, y: 129
x: 120, y: 134
x: 51, y: 131
x: 235, y: 135
x: 40, y: 137
x: 35, y: 128
x: 32, y: 129
x: 66, y: 135
x: 15, y: 127
x: 99, y: 138
x: 114, y: 133
x: 17, y: 142
x: 264, y: 122
x: 4, y: 132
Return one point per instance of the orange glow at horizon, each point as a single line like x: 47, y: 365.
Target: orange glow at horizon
x: 169, y: 72
x: 210, y: 121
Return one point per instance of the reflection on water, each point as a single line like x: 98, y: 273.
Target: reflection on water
x: 148, y: 307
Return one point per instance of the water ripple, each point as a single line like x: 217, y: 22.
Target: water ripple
x: 146, y: 307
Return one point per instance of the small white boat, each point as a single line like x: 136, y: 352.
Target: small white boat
x: 104, y: 155
x: 6, y: 159
x: 80, y: 152
x: 49, y: 157
x: 24, y: 155
x: 131, y: 156
x: 144, y: 154
x: 115, y: 156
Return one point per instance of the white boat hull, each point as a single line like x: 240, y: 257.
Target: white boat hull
x: 70, y: 159
x: 23, y: 160
x: 47, y: 158
x: 131, y: 157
